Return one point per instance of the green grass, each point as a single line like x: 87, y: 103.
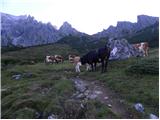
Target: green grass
x: 36, y: 54
x: 47, y: 91
x: 49, y: 88
x: 134, y: 84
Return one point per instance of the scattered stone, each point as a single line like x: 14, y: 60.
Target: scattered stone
x: 86, y: 93
x: 81, y: 96
x: 16, y: 77
x: 98, y: 92
x: 52, y: 116
x: 92, y: 96
x: 28, y: 74
x: 106, y: 98
x: 82, y: 106
x: 152, y: 116
x: 2, y: 90
x: 109, y: 105
x: 121, y: 101
x: 39, y: 115
x: 80, y: 86
x: 92, y: 82
x: 139, y: 107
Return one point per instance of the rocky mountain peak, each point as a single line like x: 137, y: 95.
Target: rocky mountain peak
x: 66, y: 25
x: 67, y: 29
x: 145, y: 20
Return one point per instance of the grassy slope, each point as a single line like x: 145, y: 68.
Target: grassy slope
x: 46, y: 91
x: 149, y: 34
x: 133, y: 87
x: 49, y: 84
x: 36, y: 54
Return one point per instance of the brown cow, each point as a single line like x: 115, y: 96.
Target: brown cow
x: 54, y: 59
x: 59, y: 58
x: 142, y: 47
x: 71, y: 58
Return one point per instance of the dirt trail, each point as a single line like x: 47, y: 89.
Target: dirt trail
x: 95, y: 90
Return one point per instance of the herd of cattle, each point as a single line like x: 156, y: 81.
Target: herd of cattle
x: 93, y: 57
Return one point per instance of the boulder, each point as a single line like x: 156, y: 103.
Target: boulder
x: 123, y: 49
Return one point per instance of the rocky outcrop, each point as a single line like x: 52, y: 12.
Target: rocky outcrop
x: 26, y: 31
x: 125, y: 28
x: 66, y: 29
x: 124, y: 49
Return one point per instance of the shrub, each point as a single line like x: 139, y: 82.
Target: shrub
x: 144, y: 66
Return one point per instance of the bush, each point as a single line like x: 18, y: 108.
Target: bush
x: 145, y: 66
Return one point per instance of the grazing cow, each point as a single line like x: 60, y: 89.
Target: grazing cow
x: 94, y: 57
x: 50, y: 59
x: 59, y: 58
x: 104, y: 54
x: 90, y: 58
x: 77, y: 63
x: 71, y: 58
x: 142, y: 47
x: 54, y: 59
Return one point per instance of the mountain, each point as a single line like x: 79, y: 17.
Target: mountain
x: 26, y: 31
x: 148, y: 34
x: 125, y: 28
x: 66, y: 29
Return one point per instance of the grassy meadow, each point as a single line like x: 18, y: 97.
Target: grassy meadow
x: 46, y: 89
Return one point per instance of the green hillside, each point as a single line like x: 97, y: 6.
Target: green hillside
x: 82, y: 44
x: 36, y: 54
x: 149, y: 34
x: 46, y: 89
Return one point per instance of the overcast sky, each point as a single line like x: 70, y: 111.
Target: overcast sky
x: 89, y: 16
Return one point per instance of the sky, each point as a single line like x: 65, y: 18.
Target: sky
x: 89, y: 16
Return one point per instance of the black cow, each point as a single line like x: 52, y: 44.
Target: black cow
x: 94, y: 57
x: 103, y: 55
x: 91, y: 58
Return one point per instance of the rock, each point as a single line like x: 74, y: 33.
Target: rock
x: 39, y: 115
x: 139, y: 107
x: 28, y: 74
x: 80, y: 86
x: 121, y: 101
x: 2, y: 90
x: 52, y: 116
x: 82, y: 106
x: 106, y: 98
x: 125, y: 28
x: 92, y: 96
x: 80, y: 96
x: 86, y: 93
x: 109, y: 105
x: 123, y: 49
x: 16, y: 77
x: 152, y: 116
x: 98, y: 92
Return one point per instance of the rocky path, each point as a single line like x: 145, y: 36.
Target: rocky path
x: 95, y: 90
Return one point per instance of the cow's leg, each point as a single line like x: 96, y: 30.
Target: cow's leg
x: 95, y: 65
x: 92, y: 67
x: 106, y: 64
x: 102, y: 62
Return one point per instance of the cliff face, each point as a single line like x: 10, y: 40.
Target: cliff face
x: 26, y: 31
x: 125, y: 28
